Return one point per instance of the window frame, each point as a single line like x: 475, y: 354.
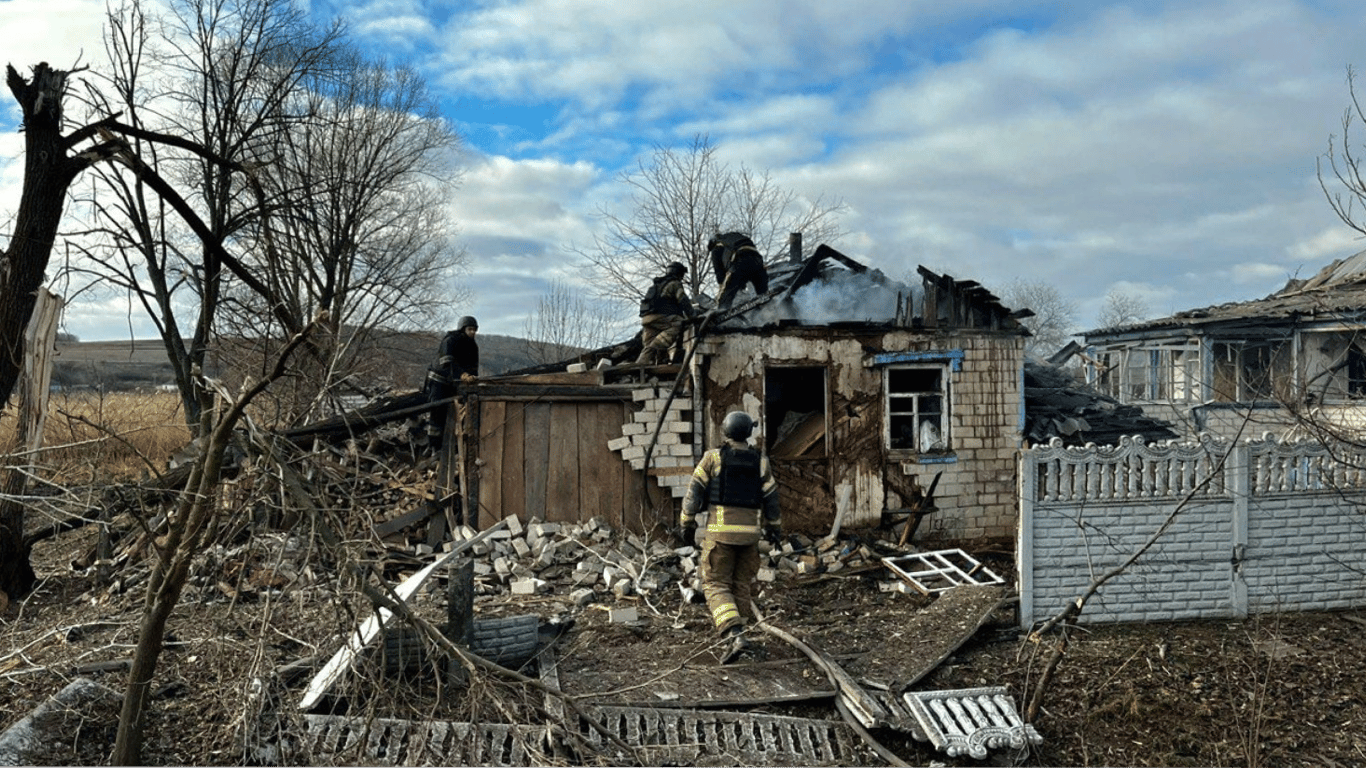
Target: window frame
x: 942, y: 411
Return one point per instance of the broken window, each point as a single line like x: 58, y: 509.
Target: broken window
x: 1334, y: 366
x: 917, y: 397
x: 794, y: 411
x: 1356, y: 372
x: 1137, y: 371
x: 1168, y: 372
x: 1249, y: 370
x: 1106, y: 378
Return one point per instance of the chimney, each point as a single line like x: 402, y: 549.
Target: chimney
x: 794, y: 248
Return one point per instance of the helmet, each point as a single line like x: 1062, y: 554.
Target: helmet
x: 467, y: 322
x: 676, y: 268
x: 737, y: 425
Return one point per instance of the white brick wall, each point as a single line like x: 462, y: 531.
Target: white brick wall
x: 673, y: 446
x: 1238, y: 549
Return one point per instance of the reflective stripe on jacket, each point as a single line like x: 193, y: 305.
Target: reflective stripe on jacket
x: 730, y: 524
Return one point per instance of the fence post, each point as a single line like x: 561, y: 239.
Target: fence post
x: 1024, y: 547
x: 1237, y: 472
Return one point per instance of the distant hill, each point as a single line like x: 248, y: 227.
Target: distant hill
x: 142, y: 363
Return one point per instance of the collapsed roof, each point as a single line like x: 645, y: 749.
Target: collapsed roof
x: 831, y: 289
x: 1057, y: 405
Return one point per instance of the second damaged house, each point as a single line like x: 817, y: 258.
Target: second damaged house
x: 875, y: 401
x: 1245, y: 368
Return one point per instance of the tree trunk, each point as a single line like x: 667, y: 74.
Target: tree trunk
x: 48, y: 172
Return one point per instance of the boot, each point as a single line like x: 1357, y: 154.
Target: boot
x: 737, y: 647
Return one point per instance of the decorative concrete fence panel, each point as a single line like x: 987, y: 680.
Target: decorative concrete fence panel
x: 1187, y: 531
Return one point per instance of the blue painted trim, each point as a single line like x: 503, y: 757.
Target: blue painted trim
x: 954, y: 356
x: 936, y: 460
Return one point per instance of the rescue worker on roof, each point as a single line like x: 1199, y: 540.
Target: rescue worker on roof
x: 737, y: 489
x: 457, y: 359
x: 663, y: 312
x: 736, y: 262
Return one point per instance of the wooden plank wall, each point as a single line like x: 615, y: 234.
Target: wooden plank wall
x: 550, y: 460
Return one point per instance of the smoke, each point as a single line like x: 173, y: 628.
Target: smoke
x: 839, y: 296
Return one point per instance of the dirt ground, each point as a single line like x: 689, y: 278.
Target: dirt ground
x: 1282, y: 690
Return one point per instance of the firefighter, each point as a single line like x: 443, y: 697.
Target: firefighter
x: 737, y: 489
x: 663, y: 312
x: 736, y: 262
x: 457, y: 360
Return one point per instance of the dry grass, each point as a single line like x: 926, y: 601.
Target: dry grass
x: 93, y: 437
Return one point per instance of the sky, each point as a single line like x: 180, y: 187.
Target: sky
x: 1165, y: 150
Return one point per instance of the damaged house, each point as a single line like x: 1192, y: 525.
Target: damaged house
x: 875, y: 400
x: 1250, y: 367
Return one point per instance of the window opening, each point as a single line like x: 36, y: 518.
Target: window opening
x: 916, y: 398
x: 1356, y: 372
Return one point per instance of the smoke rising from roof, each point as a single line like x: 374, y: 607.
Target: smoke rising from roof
x: 836, y: 296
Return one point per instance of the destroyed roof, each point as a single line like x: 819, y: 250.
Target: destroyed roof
x: 1058, y: 405
x: 1336, y: 293
x: 832, y: 289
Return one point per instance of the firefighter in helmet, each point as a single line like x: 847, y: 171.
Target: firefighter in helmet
x: 736, y: 487
x: 457, y: 360
x: 662, y: 313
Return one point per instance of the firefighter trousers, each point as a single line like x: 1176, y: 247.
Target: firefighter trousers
x: 728, y: 572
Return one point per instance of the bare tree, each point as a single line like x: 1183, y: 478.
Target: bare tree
x: 220, y: 76
x: 1054, y: 318
x: 566, y: 321
x: 1121, y: 309
x: 50, y: 167
x: 679, y: 199
x: 1349, y: 200
x: 359, y: 228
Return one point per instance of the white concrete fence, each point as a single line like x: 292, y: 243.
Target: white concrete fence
x: 1256, y: 527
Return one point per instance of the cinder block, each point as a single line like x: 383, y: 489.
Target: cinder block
x: 526, y: 586
x: 623, y: 615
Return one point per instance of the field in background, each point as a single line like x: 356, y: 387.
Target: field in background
x: 112, y: 417
x: 94, y: 437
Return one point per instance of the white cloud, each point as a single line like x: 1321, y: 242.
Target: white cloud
x: 1325, y: 246
x: 63, y: 33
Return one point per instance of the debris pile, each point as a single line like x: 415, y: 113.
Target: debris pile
x: 1057, y: 405
x: 591, y: 561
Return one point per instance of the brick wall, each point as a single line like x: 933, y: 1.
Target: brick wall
x: 975, y: 498
x: 1257, y: 527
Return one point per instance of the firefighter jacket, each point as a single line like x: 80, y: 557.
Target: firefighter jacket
x: 457, y: 355
x: 666, y: 297
x: 735, y: 485
x: 728, y: 249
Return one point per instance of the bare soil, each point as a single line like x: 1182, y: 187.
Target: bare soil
x: 1283, y: 690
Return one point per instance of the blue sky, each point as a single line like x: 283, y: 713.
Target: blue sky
x: 1162, y: 149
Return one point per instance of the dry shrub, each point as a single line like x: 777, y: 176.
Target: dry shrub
x: 96, y: 437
